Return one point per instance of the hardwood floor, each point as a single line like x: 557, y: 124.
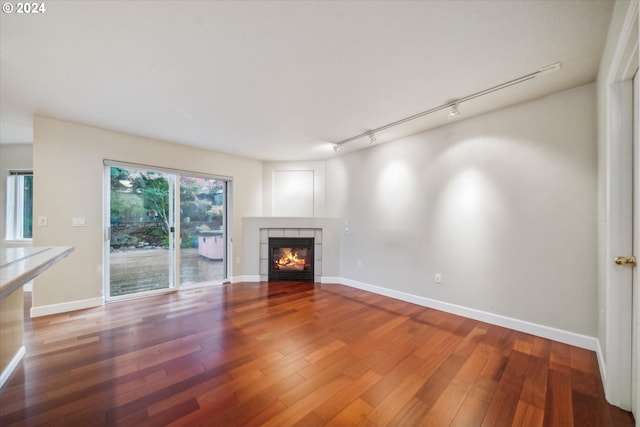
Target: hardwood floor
x: 295, y: 354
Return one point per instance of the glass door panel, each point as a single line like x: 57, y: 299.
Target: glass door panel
x: 203, y: 237
x: 140, y: 247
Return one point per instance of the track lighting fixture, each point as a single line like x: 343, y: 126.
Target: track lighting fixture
x: 454, y: 112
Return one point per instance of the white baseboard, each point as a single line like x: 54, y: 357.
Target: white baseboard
x: 46, y: 310
x: 13, y: 364
x: 567, y: 337
x: 248, y: 278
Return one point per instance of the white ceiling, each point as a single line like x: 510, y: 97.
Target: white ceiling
x: 279, y: 80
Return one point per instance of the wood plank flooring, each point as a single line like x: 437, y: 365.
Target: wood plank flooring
x: 295, y: 354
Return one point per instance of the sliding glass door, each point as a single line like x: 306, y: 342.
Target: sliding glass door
x: 143, y: 228
x: 203, y: 236
x: 140, y: 231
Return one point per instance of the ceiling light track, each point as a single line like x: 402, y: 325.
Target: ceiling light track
x: 453, y: 105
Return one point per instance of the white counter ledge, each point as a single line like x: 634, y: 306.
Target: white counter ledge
x: 17, y: 267
x: 20, y: 265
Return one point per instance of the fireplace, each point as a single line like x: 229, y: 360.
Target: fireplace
x: 291, y: 258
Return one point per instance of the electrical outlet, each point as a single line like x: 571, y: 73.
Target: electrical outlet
x: 43, y: 221
x: 438, y: 278
x: 359, y: 264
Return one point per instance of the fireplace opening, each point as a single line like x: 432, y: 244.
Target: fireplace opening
x: 291, y: 258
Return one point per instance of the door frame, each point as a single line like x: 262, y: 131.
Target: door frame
x: 635, y: 380
x: 618, y: 363
x: 174, y: 267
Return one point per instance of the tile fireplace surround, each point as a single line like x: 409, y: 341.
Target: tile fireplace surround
x: 266, y: 233
x: 257, y: 231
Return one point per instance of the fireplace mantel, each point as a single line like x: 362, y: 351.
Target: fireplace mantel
x: 256, y: 228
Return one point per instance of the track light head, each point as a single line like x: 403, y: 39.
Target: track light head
x: 372, y: 138
x: 454, y: 111
x: 336, y: 147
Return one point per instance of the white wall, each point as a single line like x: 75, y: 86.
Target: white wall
x: 68, y: 164
x: 12, y: 157
x: 503, y: 206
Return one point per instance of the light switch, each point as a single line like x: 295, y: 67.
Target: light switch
x: 43, y: 221
x: 78, y: 221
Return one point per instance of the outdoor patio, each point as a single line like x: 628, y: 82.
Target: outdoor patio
x: 140, y: 270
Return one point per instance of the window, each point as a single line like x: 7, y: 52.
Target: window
x: 19, y: 205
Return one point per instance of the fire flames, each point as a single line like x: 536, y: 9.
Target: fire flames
x: 290, y: 261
